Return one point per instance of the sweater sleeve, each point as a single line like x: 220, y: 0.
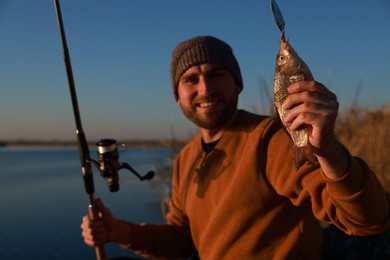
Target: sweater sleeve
x: 356, y: 203
x: 360, y: 200
x: 164, y: 241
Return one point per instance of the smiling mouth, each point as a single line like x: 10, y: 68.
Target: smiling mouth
x: 206, y: 104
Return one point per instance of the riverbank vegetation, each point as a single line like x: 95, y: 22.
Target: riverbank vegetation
x: 52, y: 143
x: 366, y: 133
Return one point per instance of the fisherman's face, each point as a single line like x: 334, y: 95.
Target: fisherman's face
x: 208, y: 95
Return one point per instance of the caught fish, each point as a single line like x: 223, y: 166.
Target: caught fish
x: 290, y: 68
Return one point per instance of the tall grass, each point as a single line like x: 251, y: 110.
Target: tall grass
x: 366, y: 134
x: 164, y: 169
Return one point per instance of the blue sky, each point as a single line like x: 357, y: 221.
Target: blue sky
x: 120, y: 52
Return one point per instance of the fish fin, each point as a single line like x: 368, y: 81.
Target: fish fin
x: 303, y: 154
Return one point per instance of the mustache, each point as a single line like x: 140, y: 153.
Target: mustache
x: 207, y: 98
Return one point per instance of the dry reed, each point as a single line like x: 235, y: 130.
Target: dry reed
x: 366, y: 134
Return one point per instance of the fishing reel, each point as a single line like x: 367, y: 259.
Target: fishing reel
x: 109, y: 164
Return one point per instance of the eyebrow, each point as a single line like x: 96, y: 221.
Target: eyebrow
x: 209, y: 68
x: 213, y: 67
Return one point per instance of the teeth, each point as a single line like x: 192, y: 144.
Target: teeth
x: 206, y: 104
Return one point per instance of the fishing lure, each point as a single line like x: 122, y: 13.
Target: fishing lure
x: 278, y: 18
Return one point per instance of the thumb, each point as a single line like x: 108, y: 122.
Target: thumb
x: 104, y: 212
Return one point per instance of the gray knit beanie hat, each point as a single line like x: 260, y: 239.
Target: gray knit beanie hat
x: 200, y: 50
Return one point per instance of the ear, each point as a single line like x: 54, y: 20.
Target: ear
x: 239, y: 89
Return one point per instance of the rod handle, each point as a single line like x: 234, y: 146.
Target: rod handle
x: 93, y: 215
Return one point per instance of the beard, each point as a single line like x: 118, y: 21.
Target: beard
x: 214, y: 118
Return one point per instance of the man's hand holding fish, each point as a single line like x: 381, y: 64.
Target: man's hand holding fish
x: 311, y: 104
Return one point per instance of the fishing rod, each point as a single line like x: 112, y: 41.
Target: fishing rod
x: 108, y: 157
x: 86, y: 167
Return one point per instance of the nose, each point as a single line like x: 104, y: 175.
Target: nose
x: 205, y: 87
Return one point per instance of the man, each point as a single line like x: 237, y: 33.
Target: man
x: 235, y: 191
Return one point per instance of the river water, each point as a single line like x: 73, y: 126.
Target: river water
x: 42, y: 201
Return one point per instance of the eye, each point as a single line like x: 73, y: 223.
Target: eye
x: 190, y: 80
x: 215, y: 74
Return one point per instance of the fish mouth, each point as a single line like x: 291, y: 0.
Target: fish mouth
x: 284, y: 44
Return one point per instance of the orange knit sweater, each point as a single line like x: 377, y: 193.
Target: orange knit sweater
x: 245, y: 200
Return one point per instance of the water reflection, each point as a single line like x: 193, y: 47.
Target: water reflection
x: 42, y: 200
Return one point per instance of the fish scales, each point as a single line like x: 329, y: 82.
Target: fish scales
x: 290, y: 68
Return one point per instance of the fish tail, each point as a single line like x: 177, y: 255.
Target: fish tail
x: 303, y: 154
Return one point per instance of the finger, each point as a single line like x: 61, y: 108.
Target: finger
x: 85, y: 220
x: 93, y: 241
x: 314, y: 97
x: 306, y: 119
x: 99, y: 204
x: 105, y: 213
x: 93, y: 233
x: 87, y: 228
x: 89, y: 242
x: 304, y: 97
x: 300, y: 103
x: 86, y: 233
x: 101, y: 207
x: 301, y: 86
